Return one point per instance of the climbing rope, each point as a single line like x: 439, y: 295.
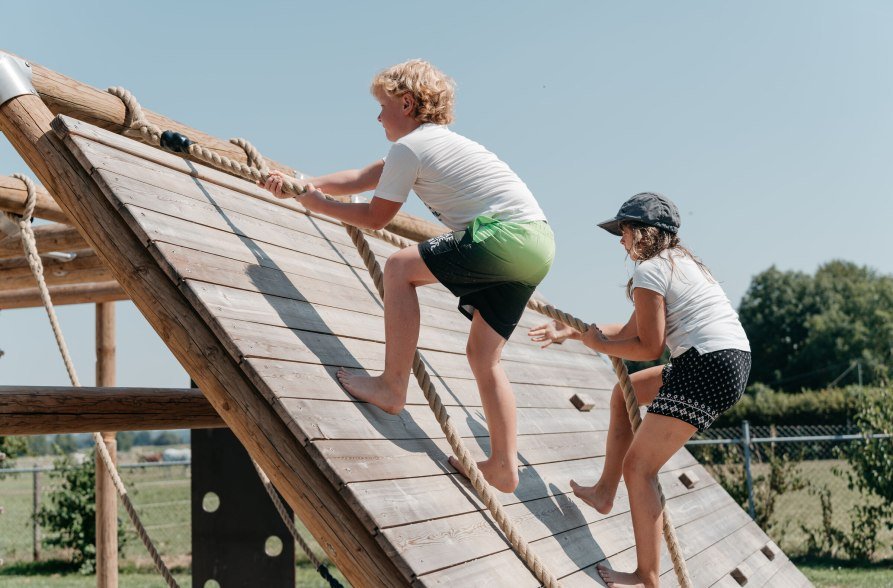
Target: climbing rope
x: 321, y: 568
x: 629, y: 396
x: 149, y: 133
x: 138, y: 126
x: 30, y: 246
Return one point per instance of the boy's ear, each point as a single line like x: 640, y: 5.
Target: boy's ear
x: 408, y: 103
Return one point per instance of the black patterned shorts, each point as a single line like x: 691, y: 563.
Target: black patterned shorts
x: 698, y: 388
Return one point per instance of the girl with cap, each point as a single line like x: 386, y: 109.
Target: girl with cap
x: 678, y: 305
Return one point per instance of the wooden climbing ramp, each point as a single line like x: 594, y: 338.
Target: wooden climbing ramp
x: 262, y: 303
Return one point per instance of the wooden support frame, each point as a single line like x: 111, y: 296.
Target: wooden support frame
x: 85, y: 268
x: 67, y: 294
x: 13, y: 195
x: 64, y: 95
x: 26, y: 122
x: 44, y: 410
x: 53, y: 237
x: 106, y: 497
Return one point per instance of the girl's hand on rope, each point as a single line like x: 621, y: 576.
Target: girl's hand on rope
x: 552, y: 332
x: 274, y: 184
x: 595, y: 339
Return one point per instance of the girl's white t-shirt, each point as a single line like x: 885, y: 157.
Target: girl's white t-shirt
x: 699, y: 313
x: 457, y: 179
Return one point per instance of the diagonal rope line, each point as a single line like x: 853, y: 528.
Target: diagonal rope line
x: 321, y: 568
x: 151, y: 134
x: 146, y: 131
x: 30, y: 246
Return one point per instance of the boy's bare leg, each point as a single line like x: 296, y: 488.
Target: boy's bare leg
x: 403, y: 273
x: 600, y: 496
x: 484, y: 350
x: 656, y: 441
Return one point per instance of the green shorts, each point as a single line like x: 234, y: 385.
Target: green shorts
x: 492, y: 266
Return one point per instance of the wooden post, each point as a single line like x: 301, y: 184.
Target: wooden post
x: 106, y: 497
x: 35, y: 500
x: 26, y: 123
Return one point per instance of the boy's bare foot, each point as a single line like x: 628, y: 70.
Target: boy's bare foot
x: 374, y: 390
x: 615, y: 579
x: 502, y: 477
x: 598, y: 497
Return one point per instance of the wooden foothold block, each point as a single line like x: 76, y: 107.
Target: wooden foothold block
x: 739, y: 576
x: 583, y: 402
x: 768, y: 551
x: 689, y: 479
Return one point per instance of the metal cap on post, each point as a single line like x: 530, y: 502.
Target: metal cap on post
x: 15, y: 77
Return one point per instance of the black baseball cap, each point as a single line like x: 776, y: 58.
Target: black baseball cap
x: 647, y: 208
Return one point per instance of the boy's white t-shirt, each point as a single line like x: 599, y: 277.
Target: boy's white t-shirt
x: 456, y: 178
x: 699, y: 313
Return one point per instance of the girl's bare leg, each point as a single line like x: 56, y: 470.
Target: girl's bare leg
x: 656, y: 441
x: 484, y: 350
x: 600, y: 496
x: 403, y: 273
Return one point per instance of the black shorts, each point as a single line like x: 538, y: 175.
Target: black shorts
x: 697, y: 388
x: 493, y: 267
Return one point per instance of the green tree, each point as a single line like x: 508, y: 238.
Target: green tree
x: 805, y: 330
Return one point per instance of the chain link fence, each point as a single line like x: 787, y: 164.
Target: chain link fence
x: 160, y: 492
x: 795, y: 481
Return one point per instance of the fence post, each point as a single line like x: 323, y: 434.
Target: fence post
x: 35, y: 526
x: 745, y: 443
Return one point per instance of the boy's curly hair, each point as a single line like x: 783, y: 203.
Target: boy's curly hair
x: 433, y: 91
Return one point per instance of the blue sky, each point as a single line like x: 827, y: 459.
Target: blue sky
x: 769, y: 123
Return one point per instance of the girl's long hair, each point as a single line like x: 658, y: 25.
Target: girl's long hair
x: 650, y: 241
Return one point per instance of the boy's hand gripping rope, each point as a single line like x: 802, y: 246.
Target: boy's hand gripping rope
x: 30, y: 245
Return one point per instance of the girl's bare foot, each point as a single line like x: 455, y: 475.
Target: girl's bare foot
x: 374, y: 390
x: 615, y: 579
x: 502, y: 476
x: 597, y: 496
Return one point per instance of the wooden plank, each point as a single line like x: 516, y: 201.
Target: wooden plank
x: 25, y: 122
x: 15, y: 274
x: 759, y: 566
x: 285, y: 379
x: 788, y: 577
x: 13, y: 195
x: 370, y: 460
x: 217, y: 207
x: 322, y: 419
x: 69, y: 294
x: 43, y: 410
x: 325, y: 317
x: 76, y: 95
x: 571, y: 555
x: 720, y: 558
x: 246, y: 340
x: 392, y: 503
x: 52, y: 237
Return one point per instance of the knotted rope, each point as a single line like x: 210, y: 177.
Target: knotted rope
x: 151, y: 134
x: 629, y: 397
x: 30, y: 245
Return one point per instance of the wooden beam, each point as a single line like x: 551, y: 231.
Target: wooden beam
x: 67, y: 294
x: 106, y: 495
x: 13, y: 195
x: 53, y: 237
x: 44, y: 410
x: 64, y: 95
x: 87, y: 267
x: 26, y: 122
